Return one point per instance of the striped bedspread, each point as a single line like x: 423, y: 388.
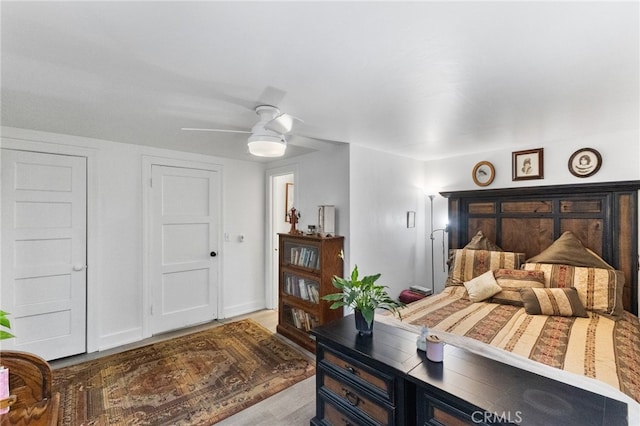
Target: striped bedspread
x: 595, y: 347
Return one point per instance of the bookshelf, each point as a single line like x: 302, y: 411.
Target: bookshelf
x: 307, y: 264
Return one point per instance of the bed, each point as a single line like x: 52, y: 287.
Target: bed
x: 546, y: 279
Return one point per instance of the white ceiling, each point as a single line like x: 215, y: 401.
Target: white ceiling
x: 420, y: 79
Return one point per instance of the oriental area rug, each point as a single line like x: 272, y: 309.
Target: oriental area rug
x: 197, y: 379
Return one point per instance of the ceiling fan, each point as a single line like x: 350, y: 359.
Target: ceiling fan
x: 268, y: 134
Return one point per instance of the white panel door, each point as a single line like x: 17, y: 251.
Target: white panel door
x: 44, y: 250
x: 184, y: 259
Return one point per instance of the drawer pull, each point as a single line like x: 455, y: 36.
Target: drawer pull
x: 350, y: 369
x: 351, y: 397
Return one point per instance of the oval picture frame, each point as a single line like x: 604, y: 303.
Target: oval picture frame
x: 483, y: 173
x: 585, y: 162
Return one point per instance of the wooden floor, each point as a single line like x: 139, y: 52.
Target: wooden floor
x: 292, y: 406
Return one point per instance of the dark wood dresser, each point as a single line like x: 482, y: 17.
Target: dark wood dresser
x: 363, y: 380
x: 385, y: 380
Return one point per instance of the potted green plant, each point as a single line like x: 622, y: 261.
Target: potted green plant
x: 364, y: 296
x: 5, y: 323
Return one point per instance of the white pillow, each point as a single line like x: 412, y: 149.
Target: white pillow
x: 482, y: 287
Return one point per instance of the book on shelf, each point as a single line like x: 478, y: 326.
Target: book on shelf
x: 303, y: 320
x: 304, y: 294
x: 314, y: 294
x: 304, y: 256
x: 305, y: 289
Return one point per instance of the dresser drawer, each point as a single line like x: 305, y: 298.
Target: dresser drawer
x: 357, y: 400
x: 433, y: 411
x: 334, y: 416
x: 381, y: 384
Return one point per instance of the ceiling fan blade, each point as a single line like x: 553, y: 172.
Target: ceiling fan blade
x: 271, y: 96
x: 196, y: 129
x: 283, y: 123
x: 313, y: 143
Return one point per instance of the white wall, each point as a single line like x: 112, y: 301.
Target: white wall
x: 322, y: 178
x: 117, y: 313
x: 383, y: 188
x: 372, y: 192
x: 619, y: 152
x: 244, y: 212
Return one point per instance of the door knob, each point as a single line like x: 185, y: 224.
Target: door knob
x: 213, y: 254
x: 78, y: 267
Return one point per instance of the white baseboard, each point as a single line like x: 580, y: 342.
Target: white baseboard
x: 121, y: 338
x: 241, y: 309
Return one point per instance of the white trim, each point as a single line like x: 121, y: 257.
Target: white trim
x: 52, y: 144
x: 242, y: 309
x: 147, y: 162
x: 120, y: 338
x: 271, y: 292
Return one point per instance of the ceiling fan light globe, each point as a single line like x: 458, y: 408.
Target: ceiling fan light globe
x: 267, y: 149
x: 267, y: 146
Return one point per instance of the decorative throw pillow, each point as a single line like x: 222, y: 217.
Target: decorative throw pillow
x: 600, y: 290
x: 511, y: 281
x: 568, y: 250
x: 482, y: 287
x: 553, y: 301
x: 480, y: 242
x: 468, y: 264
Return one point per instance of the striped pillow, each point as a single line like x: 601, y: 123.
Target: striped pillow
x: 553, y: 301
x: 468, y: 264
x: 599, y: 289
x: 511, y: 281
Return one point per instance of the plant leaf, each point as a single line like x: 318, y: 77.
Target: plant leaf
x: 354, y: 274
x: 5, y: 335
x: 362, y: 295
x: 337, y: 305
x: 4, y: 321
x: 367, y: 314
x: 333, y: 296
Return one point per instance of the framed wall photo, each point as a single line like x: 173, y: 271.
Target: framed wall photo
x: 288, y: 201
x: 528, y: 164
x: 585, y: 162
x: 483, y: 173
x: 411, y: 219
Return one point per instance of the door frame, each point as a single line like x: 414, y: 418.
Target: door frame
x: 271, y: 281
x: 147, y: 205
x: 61, y: 146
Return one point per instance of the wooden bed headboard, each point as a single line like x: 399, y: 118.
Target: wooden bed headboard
x: 603, y: 215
